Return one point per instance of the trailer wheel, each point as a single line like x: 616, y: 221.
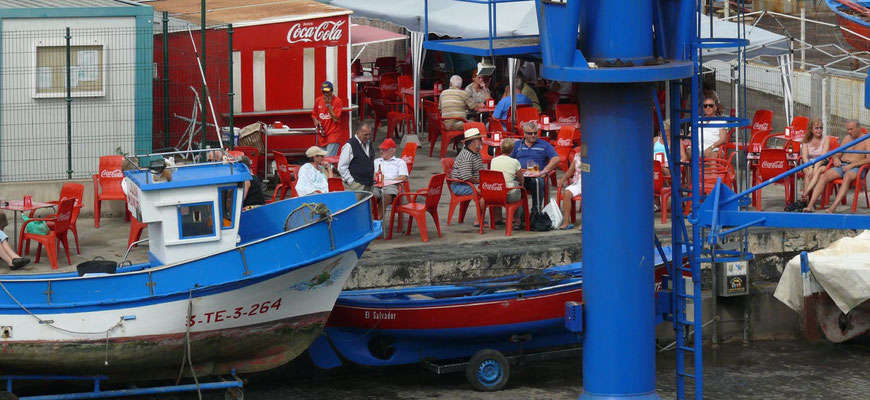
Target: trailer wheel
x: 488, y: 371
x: 235, y: 393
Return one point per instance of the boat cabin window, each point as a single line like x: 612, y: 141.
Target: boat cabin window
x: 195, y: 220
x: 227, y: 206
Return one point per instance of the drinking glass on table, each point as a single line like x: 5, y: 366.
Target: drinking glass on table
x: 532, y: 166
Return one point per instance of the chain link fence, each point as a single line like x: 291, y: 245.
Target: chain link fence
x: 71, y: 95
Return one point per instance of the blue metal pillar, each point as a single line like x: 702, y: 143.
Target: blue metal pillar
x: 618, y: 292
x: 619, y: 346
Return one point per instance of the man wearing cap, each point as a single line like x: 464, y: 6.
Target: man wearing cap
x: 392, y: 168
x: 534, y: 153
x: 326, y: 115
x: 468, y: 164
x: 356, y: 164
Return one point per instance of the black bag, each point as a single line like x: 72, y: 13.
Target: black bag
x: 540, y: 221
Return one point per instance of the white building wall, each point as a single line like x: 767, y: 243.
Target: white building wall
x: 33, y: 131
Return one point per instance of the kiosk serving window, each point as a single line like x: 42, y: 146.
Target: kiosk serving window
x: 196, y: 220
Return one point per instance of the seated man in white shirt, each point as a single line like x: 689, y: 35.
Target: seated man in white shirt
x: 392, y: 168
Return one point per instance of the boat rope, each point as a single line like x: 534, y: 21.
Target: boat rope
x: 50, y: 323
x: 314, y: 209
x: 186, y: 355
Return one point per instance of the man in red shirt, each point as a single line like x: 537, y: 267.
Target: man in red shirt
x: 326, y: 115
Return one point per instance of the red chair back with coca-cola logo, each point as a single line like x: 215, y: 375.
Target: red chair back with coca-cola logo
x: 658, y: 177
x: 566, y: 136
x: 493, y: 189
x: 409, y: 154
x: 799, y: 126
x: 110, y: 175
x: 772, y: 162
x: 567, y: 113
x: 389, y: 86
x: 433, y: 192
x: 762, y: 121
x: 64, y: 215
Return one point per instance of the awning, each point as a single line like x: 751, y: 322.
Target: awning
x: 364, y: 34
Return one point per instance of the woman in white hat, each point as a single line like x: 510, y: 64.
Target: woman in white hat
x: 313, y: 175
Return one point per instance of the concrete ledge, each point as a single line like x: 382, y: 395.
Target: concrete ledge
x: 435, y: 263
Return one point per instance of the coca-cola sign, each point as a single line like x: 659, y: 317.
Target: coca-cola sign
x: 436, y: 191
x: 773, y: 164
x: 390, y: 86
x: 563, y: 142
x: 111, y: 174
x: 492, y: 186
x: 761, y: 126
x: 567, y: 120
x: 310, y: 32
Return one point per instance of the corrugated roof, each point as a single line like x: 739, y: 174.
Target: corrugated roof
x: 63, y: 3
x: 246, y: 12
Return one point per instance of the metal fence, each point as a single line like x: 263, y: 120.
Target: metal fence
x: 179, y: 96
x: 72, y: 94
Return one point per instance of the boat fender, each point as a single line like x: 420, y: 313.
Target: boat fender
x: 322, y: 353
x: 97, y: 266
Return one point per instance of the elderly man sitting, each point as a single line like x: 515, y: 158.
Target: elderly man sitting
x: 454, y: 102
x: 392, y: 168
x: 539, y: 158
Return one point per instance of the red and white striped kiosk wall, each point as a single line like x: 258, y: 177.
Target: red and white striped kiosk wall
x: 278, y: 69
x: 282, y: 51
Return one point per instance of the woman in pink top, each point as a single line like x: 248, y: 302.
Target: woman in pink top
x: 815, y: 143
x: 573, y: 189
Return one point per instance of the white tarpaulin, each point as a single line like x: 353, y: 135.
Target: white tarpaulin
x: 842, y: 270
x: 468, y: 20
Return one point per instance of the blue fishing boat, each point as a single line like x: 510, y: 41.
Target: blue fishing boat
x: 505, y: 315
x: 853, y: 15
x: 235, y: 290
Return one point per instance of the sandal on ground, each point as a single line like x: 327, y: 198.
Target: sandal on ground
x: 499, y: 222
x: 568, y: 227
x: 19, y: 263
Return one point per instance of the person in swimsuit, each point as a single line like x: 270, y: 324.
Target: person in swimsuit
x: 844, y: 165
x: 814, y: 144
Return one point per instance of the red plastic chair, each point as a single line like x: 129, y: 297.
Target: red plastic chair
x: 417, y: 211
x: 394, y: 112
x: 409, y: 154
x: 385, y: 64
x: 254, y: 154
x: 433, y: 116
x: 660, y: 190
x: 107, y: 184
x: 287, y: 175
x: 567, y: 113
x: 771, y: 163
x: 493, y: 191
x: 58, y: 226
x: 389, y: 86
x: 447, y: 136
x: 136, y: 228
x: 462, y: 200
x: 335, y: 184
x: 762, y: 122
x: 484, y: 151
x: 524, y: 115
x: 70, y: 191
x: 799, y: 126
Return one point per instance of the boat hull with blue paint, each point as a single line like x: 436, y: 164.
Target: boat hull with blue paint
x: 250, y: 308
x: 851, y: 21
x: 403, y: 326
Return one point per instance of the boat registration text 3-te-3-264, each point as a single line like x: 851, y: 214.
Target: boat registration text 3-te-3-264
x: 230, y: 314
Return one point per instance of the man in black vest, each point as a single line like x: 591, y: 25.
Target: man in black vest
x: 357, y: 161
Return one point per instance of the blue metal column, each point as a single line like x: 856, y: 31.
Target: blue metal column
x: 619, y: 346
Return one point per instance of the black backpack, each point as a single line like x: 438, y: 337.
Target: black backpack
x: 540, y: 221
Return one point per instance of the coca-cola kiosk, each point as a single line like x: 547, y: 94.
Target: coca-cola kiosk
x: 281, y: 54
x: 278, y: 69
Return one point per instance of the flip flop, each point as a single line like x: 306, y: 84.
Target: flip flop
x: 569, y: 227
